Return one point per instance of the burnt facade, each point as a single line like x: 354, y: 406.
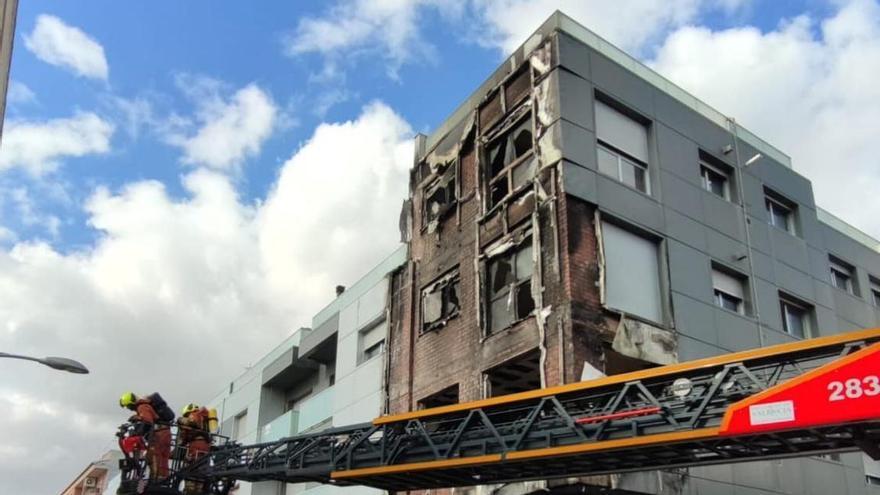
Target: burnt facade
x: 579, y: 215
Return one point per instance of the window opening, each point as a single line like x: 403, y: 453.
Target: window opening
x: 510, y: 160
x: 510, y: 294
x: 520, y: 374
x: 446, y: 397
x: 728, y: 290
x: 440, y: 302
x: 795, y: 316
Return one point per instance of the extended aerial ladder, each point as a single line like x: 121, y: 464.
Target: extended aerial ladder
x: 804, y: 398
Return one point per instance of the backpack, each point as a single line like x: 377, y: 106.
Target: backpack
x: 166, y: 414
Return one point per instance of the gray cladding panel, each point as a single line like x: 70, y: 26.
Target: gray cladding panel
x: 685, y: 229
x: 726, y: 250
x: 629, y: 204
x: 677, y: 154
x: 736, y: 332
x: 689, y: 271
x: 723, y: 215
x: 695, y: 319
x: 579, y: 182
x: 577, y: 93
x: 790, y: 248
x: 682, y: 196
x: 573, y: 55
x: 699, y: 130
x: 795, y: 282
x: 853, y: 309
x: 617, y: 82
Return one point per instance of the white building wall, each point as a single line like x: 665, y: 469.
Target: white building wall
x: 357, y: 392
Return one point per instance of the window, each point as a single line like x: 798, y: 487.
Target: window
x: 632, y: 273
x: 715, y: 179
x: 520, y: 374
x: 796, y: 316
x: 875, y: 290
x: 622, y: 148
x: 440, y: 196
x: 842, y: 275
x: 728, y: 290
x: 511, y: 163
x: 510, y: 292
x: 440, y: 302
x: 780, y: 211
x: 239, y: 426
x: 371, y: 342
x: 446, y: 397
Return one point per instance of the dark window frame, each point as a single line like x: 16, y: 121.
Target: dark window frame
x: 450, y: 280
x: 620, y: 154
x: 774, y: 201
x: 512, y: 292
x: 874, y: 289
x: 843, y: 275
x: 805, y: 309
x: 623, y: 157
x: 505, y: 175
x: 719, y: 295
x: 446, y: 181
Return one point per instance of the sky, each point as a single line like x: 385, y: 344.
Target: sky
x: 183, y: 184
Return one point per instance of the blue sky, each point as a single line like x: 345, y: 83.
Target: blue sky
x: 191, y: 179
x: 149, y: 47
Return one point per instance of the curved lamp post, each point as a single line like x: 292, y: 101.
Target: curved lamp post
x: 58, y: 363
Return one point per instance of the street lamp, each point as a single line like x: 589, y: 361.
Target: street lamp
x: 58, y: 363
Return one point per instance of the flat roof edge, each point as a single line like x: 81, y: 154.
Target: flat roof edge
x: 559, y: 21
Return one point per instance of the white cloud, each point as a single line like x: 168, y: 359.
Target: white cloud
x: 391, y: 30
x: 18, y: 202
x: 178, y: 294
x: 39, y: 147
x: 627, y: 23
x: 229, y: 131
x: 19, y: 93
x: 809, y: 87
x: 387, y: 30
x: 60, y: 44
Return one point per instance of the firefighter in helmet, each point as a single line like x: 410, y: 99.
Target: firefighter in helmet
x: 149, y: 424
x: 194, y: 435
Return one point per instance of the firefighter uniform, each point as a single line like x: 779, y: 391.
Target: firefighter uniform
x: 194, y: 435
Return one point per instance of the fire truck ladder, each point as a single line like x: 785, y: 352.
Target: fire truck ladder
x: 814, y: 396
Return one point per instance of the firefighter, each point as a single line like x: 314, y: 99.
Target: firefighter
x: 156, y: 432
x: 194, y: 435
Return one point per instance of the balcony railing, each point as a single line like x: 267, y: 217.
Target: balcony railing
x: 316, y: 409
x: 280, y: 427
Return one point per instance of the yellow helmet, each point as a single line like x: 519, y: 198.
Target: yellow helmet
x: 188, y: 409
x: 127, y: 400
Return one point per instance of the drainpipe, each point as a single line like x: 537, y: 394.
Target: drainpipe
x: 753, y: 286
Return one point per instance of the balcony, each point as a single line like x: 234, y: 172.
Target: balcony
x: 315, y: 409
x: 305, y: 415
x: 280, y: 427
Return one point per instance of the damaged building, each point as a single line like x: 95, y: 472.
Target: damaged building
x: 581, y: 216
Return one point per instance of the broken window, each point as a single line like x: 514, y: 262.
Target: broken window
x: 520, y: 374
x: 510, y: 292
x: 440, y: 302
x: 510, y: 161
x: 446, y: 397
x: 440, y: 196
